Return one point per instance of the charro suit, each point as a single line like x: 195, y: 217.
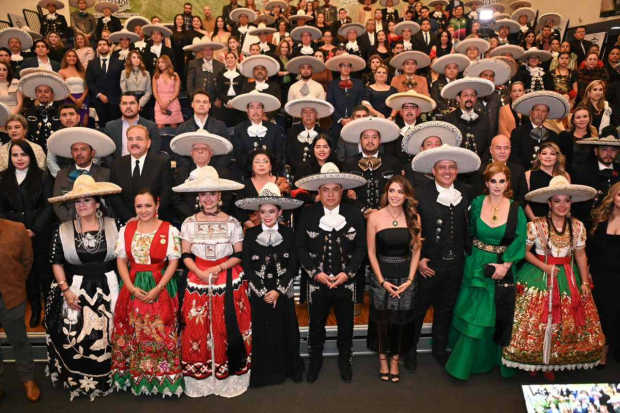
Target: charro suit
x: 150, y: 58
x: 213, y: 126
x: 65, y: 211
x: 197, y: 78
x: 243, y: 144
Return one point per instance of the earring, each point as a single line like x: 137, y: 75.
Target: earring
x: 197, y: 205
x: 220, y: 203
x: 99, y: 214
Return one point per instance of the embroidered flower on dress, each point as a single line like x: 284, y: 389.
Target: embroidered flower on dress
x: 87, y: 384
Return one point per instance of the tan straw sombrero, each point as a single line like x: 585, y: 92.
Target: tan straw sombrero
x: 480, y: 44
x: 295, y: 63
x: 439, y: 65
x: 13, y: 32
x: 100, y: 6
x: 241, y: 102
x: 249, y: 63
x: 356, y: 62
x: 84, y: 187
x: 516, y: 51
x: 30, y: 82
x: 236, y: 13
x: 502, y: 70
x: 559, y: 185
x: 422, y: 60
x: 315, y: 33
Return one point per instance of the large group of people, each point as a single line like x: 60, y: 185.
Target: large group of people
x: 162, y: 188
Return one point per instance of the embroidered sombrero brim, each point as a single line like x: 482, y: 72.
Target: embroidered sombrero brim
x: 322, y: 107
x: 398, y: 29
x: 182, y: 144
x: 30, y: 82
x: 502, y: 70
x: 512, y: 25
x: 124, y: 34
x: 150, y: 28
x: 439, y: 65
x: 241, y: 102
x: 578, y: 193
x: 512, y: 64
x: 415, y: 137
x: 13, y: 32
x: 133, y: 21
x: 599, y: 141
x: 516, y: 51
x: 483, y: 87
x: 295, y: 63
x: 236, y: 13
x: 388, y: 131
x: 298, y: 31
x: 557, y: 19
x: 422, y: 60
x: 557, y: 104
x: 253, y: 204
x: 543, y: 55
x: 359, y: 29
x: 84, y: 187
x: 500, y: 16
x: 467, y: 161
x: 249, y: 63
x: 106, y: 4
x: 209, y: 185
x: 424, y: 103
x: 480, y: 44
x: 524, y: 11
x: 346, y: 180
x: 61, y: 141
x: 356, y: 62
x: 302, y: 17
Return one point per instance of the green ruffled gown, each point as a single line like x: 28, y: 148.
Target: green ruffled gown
x: 473, y: 323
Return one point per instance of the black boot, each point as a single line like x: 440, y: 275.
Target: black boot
x: 313, y: 370
x: 35, y: 317
x: 411, y: 360
x: 346, y: 372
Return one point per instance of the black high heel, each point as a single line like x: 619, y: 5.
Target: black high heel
x: 394, y: 378
x: 385, y: 377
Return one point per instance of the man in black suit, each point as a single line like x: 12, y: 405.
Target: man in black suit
x: 342, y: 20
x: 579, y: 45
x: 141, y: 169
x: 368, y: 38
x: 344, y: 93
x: 202, y: 73
x: 258, y: 71
x: 425, y: 14
x: 41, y: 60
x: 43, y: 119
x: 201, y: 103
x: 156, y: 47
x: 103, y: 78
x: 226, y: 14
x: 425, y: 39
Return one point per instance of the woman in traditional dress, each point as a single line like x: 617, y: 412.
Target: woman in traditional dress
x: 146, y: 353
x: 216, y: 341
x: 270, y: 265
x: 394, y: 244
x: 556, y: 324
x: 482, y: 321
x: 80, y: 310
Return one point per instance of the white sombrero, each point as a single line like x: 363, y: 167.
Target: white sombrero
x: 89, y: 3
x: 516, y: 51
x: 295, y: 63
x: 422, y: 59
x: 512, y: 25
x: 241, y: 102
x: 198, y: 44
x: 5, y: 112
x: 423, y: 102
x: 206, y: 179
x: 298, y: 31
x: 322, y: 107
x: 480, y: 44
x: 23, y: 36
x: 470, y: 3
x: 467, y: 161
x: 559, y: 185
x: 483, y: 87
x: 395, y: 2
x: 133, y: 21
x: 345, y: 28
x: 30, y: 82
x: 415, y: 137
x: 512, y: 63
x: 357, y: 62
x: 609, y: 140
x: 267, y: 19
x: 558, y: 105
x: 301, y: 15
x: 388, y: 130
x: 527, y: 11
x: 543, y: 55
x: 398, y: 29
x: 435, y: 2
x: 262, y: 28
x: 500, y: 16
x: 182, y: 144
x: 116, y: 37
x: 84, y: 187
x: 557, y: 19
x: 60, y: 142
x: 59, y: 4
x: 249, y: 63
x: 150, y: 28
x: 502, y: 70
x: 330, y: 174
x: 269, y: 195
x: 100, y: 6
x: 498, y: 7
x: 30, y: 70
x: 520, y: 3
x: 439, y: 65
x: 236, y: 13
x: 270, y: 5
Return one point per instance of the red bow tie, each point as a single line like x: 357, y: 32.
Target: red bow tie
x: 346, y: 84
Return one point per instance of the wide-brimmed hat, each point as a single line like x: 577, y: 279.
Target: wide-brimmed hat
x: 388, y: 130
x: 198, y: 44
x: 206, y: 179
x: 607, y: 137
x: 481, y: 44
x: 267, y: 19
x: 330, y: 174
x: 470, y: 3
x: 5, y: 112
x: 557, y: 19
x: 89, y: 3
x: 60, y: 142
x: 59, y: 4
x: 421, y: 59
x: 558, y: 105
x: 249, y: 63
x: 322, y: 107
x: 528, y: 11
x: 262, y: 28
x: 269, y: 195
x: 100, y: 6
x: 13, y: 32
x: 439, y: 65
x: 398, y: 29
x: 483, y: 87
x: 512, y: 25
x: 150, y: 28
x: 295, y: 63
x: 467, y: 161
x: 498, y: 7
x: 357, y: 62
x: 182, y: 144
x: 271, y: 4
x: 383, y: 3
x: 84, y: 187
x: 543, y: 55
x: 500, y: 16
x: 236, y: 13
x: 300, y: 15
x: 559, y: 185
x: 133, y: 21
x: 516, y: 51
x: 502, y: 70
x: 30, y: 70
x: 512, y: 63
x: 298, y: 31
x: 31, y: 81
x: 520, y: 3
x: 362, y: 1
x: 116, y: 37
x: 345, y: 28
x: 442, y: 2
x: 241, y: 102
x: 415, y: 137
x: 424, y: 103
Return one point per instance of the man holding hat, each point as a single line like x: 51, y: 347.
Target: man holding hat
x: 331, y: 247
x: 449, y: 68
x: 157, y: 34
x: 305, y: 87
x: 81, y: 144
x: 409, y: 62
x: 202, y: 73
x: 103, y: 78
x: 53, y: 22
x: 344, y: 93
x: 443, y: 208
x: 82, y: 21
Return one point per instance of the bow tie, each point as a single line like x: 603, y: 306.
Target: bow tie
x: 243, y: 30
x: 606, y: 173
x: 156, y: 50
x: 368, y: 162
x: 257, y: 131
x: 51, y: 16
x: 16, y: 58
x: 45, y: 110
x: 367, y: 8
x: 269, y: 238
x: 346, y: 84
x: 261, y: 86
x: 307, y: 136
x: 352, y: 46
x: 539, y: 134
x: 410, y: 83
x: 264, y: 47
x: 449, y: 197
x: 405, y: 129
x: 207, y: 66
x: 83, y: 13
x: 306, y: 50
x: 469, y: 116
x: 332, y: 222
x: 77, y: 173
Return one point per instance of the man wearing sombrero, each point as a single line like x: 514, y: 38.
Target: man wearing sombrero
x: 123, y: 39
x: 202, y: 73
x: 241, y: 19
x: 351, y: 31
x: 157, y: 34
x: 82, y: 21
x: 260, y: 68
x: 304, y: 37
x: 449, y: 68
x: 262, y: 31
x: 408, y: 62
x: 53, y: 22
x: 107, y: 21
x: 443, y: 208
x: 331, y: 247
x: 18, y: 42
x: 305, y: 87
x: 345, y: 92
x: 506, y: 31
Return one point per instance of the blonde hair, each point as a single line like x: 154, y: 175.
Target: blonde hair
x: 129, y: 66
x: 560, y: 165
x: 586, y: 100
x: 571, y: 122
x: 605, y: 210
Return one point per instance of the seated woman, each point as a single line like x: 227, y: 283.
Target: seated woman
x: 602, y: 113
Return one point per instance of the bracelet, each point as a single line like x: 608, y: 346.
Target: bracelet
x: 61, y: 283
x: 410, y: 279
x: 65, y: 290
x: 223, y: 267
x: 382, y: 282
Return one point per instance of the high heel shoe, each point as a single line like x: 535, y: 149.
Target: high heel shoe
x: 394, y: 378
x: 384, y: 376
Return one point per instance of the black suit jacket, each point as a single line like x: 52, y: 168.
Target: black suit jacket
x: 523, y: 149
x: 156, y: 176
x: 365, y: 45
x: 214, y: 126
x: 295, y: 149
x: 517, y: 181
x: 575, y: 47
x: 114, y: 129
x: 243, y: 144
x: 390, y: 166
x: 491, y: 110
x: 150, y: 59
x: 34, y: 62
x: 479, y: 128
x: 589, y: 174
x: 420, y: 45
x: 108, y: 84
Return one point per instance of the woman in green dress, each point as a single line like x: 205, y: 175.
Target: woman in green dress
x: 482, y: 321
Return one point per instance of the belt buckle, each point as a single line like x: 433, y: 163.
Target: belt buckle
x: 449, y: 257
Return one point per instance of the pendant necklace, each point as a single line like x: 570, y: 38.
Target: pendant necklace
x: 395, y: 222
x: 495, y: 211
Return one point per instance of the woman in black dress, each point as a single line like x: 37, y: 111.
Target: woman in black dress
x: 270, y: 265
x: 375, y: 95
x: 382, y: 46
x: 580, y: 127
x: 177, y: 41
x: 229, y: 85
x: 443, y: 47
x: 603, y: 252
x: 24, y: 190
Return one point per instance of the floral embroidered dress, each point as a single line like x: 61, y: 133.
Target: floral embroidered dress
x: 217, y: 338
x: 146, y: 352
x: 555, y: 326
x: 78, y: 342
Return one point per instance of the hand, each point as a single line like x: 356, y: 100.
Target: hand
x: 351, y: 194
x: 323, y: 279
x: 218, y: 103
x: 79, y: 102
x: 103, y: 98
x: 72, y: 300
x: 500, y: 271
x: 152, y: 295
x: 339, y: 279
x: 401, y: 288
x: 391, y: 289
x: 381, y: 115
x: 30, y: 233
x: 272, y: 297
x: 283, y: 185
x: 549, y: 268
x: 345, y: 121
x: 424, y: 269
x: 140, y: 294
x: 585, y: 290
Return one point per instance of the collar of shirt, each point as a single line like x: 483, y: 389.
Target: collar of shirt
x: 141, y: 165
x: 441, y: 189
x: 41, y: 64
x: 266, y: 228
x: 261, y: 85
x: 201, y: 125
x: 602, y: 166
x: 125, y: 123
x: 84, y: 169
x: 406, y: 128
x: 333, y: 211
x: 156, y: 49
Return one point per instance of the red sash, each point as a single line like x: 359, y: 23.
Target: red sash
x: 158, y: 250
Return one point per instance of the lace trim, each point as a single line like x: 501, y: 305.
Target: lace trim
x: 557, y: 367
x: 232, y: 386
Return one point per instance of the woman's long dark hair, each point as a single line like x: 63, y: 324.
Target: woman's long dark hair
x: 216, y: 30
x: 409, y: 209
x: 34, y: 178
x: 314, y: 164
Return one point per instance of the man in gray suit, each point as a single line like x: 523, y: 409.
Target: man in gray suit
x: 117, y: 129
x: 345, y: 149
x: 202, y: 73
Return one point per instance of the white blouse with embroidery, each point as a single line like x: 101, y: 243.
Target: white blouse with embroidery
x: 563, y: 250
x: 141, y: 245
x: 212, y: 240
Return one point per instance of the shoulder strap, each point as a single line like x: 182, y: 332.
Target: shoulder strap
x: 111, y: 233
x: 511, y: 224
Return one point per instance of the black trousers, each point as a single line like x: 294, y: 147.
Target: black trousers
x: 360, y: 282
x: 441, y: 292
x: 320, y: 302
x: 41, y: 276
x: 106, y: 111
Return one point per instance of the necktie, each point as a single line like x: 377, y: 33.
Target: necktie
x: 136, y: 170
x: 367, y: 163
x: 426, y: 38
x: 104, y: 67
